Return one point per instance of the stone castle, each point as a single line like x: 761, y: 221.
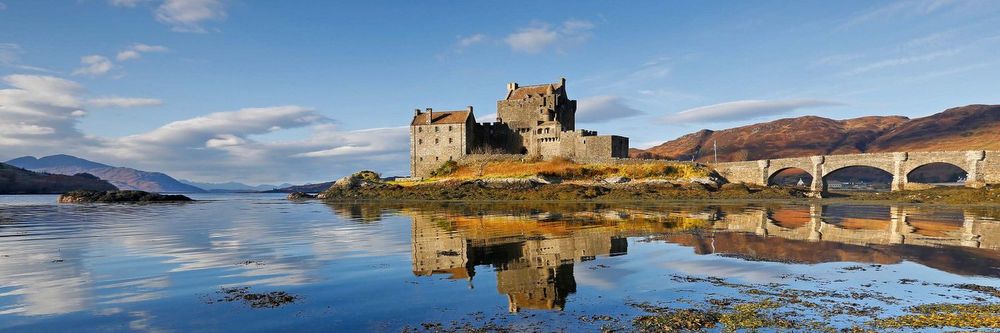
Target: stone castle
x: 535, y: 121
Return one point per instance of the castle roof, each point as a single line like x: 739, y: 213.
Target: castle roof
x: 442, y: 117
x: 535, y: 90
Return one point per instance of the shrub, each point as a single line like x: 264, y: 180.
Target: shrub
x: 445, y: 169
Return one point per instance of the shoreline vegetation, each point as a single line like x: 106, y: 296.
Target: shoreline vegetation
x: 83, y: 196
x: 562, y: 180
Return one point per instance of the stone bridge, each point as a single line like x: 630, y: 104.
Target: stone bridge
x: 982, y: 167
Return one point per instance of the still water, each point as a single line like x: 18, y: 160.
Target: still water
x: 440, y: 266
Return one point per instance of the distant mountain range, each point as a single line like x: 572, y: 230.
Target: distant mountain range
x: 233, y: 186
x: 307, y: 188
x: 14, y: 180
x: 962, y: 128
x: 120, y: 177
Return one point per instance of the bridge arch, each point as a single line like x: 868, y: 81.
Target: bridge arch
x: 869, y: 168
x: 775, y: 177
x: 935, y: 172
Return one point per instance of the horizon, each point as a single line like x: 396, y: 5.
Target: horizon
x: 218, y: 91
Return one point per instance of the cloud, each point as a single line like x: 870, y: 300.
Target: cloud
x: 136, y: 50
x: 906, y: 8
x: 123, y: 3
x: 39, y: 115
x: 123, y: 102
x: 94, y: 65
x: 603, y: 108
x: 899, y: 61
x: 10, y: 56
x: 742, y: 110
x: 539, y: 36
x: 3, y: 6
x: 38, y: 111
x: 467, y: 41
x: 188, y: 15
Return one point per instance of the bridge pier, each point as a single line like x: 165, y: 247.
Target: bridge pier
x: 975, y: 177
x: 898, y: 171
x: 818, y: 187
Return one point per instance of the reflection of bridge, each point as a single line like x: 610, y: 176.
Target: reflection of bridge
x: 900, y: 225
x: 982, y: 167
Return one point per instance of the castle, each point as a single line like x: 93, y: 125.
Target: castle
x: 536, y: 121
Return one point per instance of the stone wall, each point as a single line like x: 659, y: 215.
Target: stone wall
x: 432, y: 145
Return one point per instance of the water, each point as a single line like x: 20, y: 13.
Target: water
x: 539, y: 266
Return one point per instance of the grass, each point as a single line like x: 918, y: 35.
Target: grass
x: 569, y: 170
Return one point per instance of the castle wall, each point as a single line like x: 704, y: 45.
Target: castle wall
x: 432, y: 145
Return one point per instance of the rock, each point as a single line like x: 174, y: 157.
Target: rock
x: 617, y: 180
x: 735, y: 187
x: 365, y: 179
x: 119, y: 197
x: 300, y: 196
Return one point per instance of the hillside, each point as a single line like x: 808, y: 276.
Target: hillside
x: 968, y: 127
x: 14, y: 180
x: 123, y: 178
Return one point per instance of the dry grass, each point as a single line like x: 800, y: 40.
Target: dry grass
x: 569, y: 170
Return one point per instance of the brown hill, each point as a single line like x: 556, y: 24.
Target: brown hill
x: 14, y: 180
x: 968, y: 127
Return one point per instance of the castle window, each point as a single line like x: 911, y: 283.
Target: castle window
x: 420, y: 129
x: 435, y: 128
x: 436, y: 141
x: 449, y: 158
x: 421, y: 159
x: 420, y: 141
x: 449, y: 128
x: 437, y: 158
x: 449, y: 140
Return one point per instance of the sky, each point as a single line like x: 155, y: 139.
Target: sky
x: 308, y: 91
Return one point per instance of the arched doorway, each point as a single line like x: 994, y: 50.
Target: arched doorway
x: 939, y: 174
x: 794, y: 177
x: 857, y: 179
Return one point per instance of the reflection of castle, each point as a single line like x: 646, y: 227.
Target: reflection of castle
x: 534, y: 261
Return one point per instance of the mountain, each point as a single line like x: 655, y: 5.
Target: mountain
x: 14, y: 180
x: 123, y: 178
x: 307, y: 188
x: 962, y: 128
x: 233, y: 186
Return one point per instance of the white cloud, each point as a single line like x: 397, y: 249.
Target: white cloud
x: 123, y: 102
x: 39, y: 116
x: 94, y: 65
x: 603, y: 108
x: 539, y: 36
x: 136, y: 50
x: 10, y: 56
x: 742, y: 110
x: 531, y: 40
x: 467, y: 41
x: 3, y: 6
x: 901, y: 61
x: 188, y: 15
x: 123, y: 3
x: 905, y: 8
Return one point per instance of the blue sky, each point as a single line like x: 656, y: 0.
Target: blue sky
x: 275, y: 91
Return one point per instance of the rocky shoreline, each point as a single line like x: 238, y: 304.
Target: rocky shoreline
x: 119, y: 197
x: 366, y: 186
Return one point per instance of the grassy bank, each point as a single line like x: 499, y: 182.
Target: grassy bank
x: 569, y: 171
x: 937, y: 195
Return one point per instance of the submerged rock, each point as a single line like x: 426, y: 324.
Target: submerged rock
x: 83, y: 196
x: 300, y: 196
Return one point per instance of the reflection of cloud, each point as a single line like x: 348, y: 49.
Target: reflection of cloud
x: 749, y: 271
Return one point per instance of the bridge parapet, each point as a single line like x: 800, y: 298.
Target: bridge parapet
x: 982, y: 167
